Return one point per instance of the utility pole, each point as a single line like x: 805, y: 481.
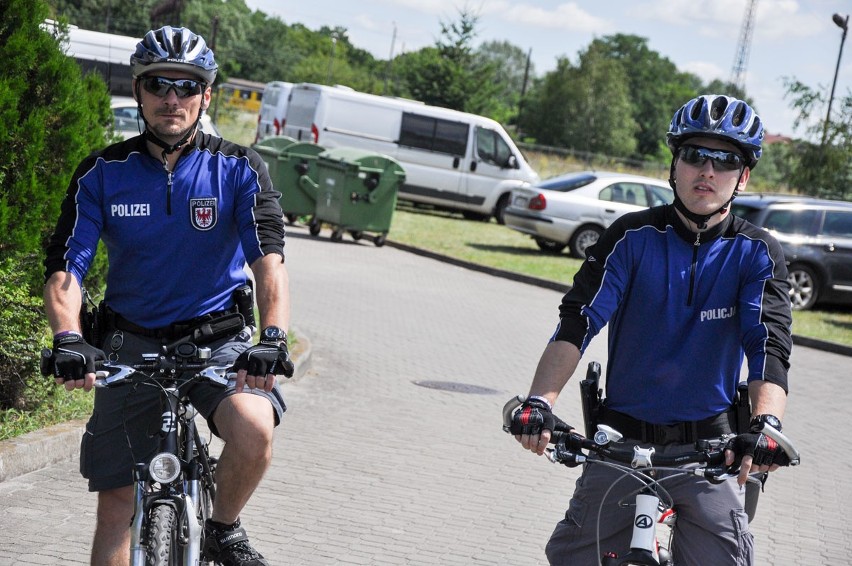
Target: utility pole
x: 390, y: 61
x: 524, y: 90
x: 844, y: 25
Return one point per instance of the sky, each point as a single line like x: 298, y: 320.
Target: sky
x: 790, y: 38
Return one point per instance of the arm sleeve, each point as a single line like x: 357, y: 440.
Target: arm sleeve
x: 74, y: 241
x: 260, y: 216
x: 767, y: 316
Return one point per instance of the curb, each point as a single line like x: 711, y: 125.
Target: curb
x: 804, y: 341
x: 61, y: 442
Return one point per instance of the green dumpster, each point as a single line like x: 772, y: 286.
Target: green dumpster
x: 270, y: 149
x: 357, y: 192
x: 297, y: 174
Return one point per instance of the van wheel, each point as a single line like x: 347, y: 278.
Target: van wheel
x: 500, y: 208
x: 584, y: 238
x: 804, y: 287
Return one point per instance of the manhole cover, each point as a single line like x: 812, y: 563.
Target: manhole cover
x: 457, y: 387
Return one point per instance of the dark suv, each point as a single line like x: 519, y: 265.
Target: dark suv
x: 817, y: 239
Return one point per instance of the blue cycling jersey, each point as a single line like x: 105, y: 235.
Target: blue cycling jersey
x: 682, y: 310
x: 177, y: 244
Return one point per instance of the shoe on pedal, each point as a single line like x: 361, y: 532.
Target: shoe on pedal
x: 228, y: 545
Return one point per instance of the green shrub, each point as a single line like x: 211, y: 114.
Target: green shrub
x: 22, y: 334
x: 51, y: 117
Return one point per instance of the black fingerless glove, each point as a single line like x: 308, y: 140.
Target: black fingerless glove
x: 533, y: 417
x: 763, y: 449
x: 264, y: 358
x: 73, y: 357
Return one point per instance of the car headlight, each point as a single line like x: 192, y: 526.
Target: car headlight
x: 164, y: 467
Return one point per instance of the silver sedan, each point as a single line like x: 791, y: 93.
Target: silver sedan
x: 573, y: 210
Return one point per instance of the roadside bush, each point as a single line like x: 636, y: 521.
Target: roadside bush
x: 22, y: 334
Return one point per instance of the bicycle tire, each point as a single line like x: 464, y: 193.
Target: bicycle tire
x: 162, y: 536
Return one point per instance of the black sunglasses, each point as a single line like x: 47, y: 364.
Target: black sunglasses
x: 722, y: 160
x: 184, y: 88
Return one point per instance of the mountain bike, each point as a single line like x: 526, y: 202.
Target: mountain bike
x: 652, y: 504
x: 174, y: 490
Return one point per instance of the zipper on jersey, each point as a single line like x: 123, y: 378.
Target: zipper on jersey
x: 693, y: 268
x: 168, y: 185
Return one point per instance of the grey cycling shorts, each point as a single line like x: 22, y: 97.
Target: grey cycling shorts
x: 712, y: 525
x: 124, y: 424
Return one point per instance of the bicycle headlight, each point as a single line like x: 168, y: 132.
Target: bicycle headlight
x: 164, y: 467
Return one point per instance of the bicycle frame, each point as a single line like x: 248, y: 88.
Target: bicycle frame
x: 180, y: 438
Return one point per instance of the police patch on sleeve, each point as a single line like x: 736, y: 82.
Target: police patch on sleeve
x: 203, y: 213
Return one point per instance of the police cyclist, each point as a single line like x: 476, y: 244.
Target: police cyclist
x: 181, y: 213
x: 688, y: 291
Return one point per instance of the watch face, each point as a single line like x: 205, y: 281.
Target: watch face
x: 272, y: 333
x: 772, y: 421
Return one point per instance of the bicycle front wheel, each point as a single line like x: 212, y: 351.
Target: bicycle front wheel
x: 162, y: 536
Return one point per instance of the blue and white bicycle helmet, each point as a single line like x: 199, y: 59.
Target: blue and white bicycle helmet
x: 722, y: 117
x: 174, y: 49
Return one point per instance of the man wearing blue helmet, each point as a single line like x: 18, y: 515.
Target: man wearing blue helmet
x: 181, y: 214
x: 690, y: 291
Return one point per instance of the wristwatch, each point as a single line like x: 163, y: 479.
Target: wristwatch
x: 758, y: 420
x: 273, y: 335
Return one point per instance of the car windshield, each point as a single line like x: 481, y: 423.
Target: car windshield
x: 565, y: 184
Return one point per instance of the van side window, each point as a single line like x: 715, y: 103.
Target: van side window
x: 433, y: 134
x: 491, y: 147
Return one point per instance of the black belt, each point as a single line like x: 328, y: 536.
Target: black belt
x: 678, y: 433
x: 171, y: 332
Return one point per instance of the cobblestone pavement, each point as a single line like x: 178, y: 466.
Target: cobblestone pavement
x: 373, y: 467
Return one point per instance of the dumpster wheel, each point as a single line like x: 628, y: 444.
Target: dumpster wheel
x: 380, y: 240
x: 356, y: 234
x: 337, y: 235
x: 315, y: 227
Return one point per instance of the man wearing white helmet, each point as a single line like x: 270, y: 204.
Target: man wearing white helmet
x: 690, y: 291
x: 181, y: 214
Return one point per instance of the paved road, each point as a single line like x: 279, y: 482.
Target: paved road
x: 372, y: 468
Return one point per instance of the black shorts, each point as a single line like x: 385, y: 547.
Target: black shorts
x: 126, y: 419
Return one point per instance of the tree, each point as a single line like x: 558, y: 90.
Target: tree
x: 50, y: 118
x: 657, y: 89
x: 586, y: 108
x: 447, y: 74
x: 824, y: 169
x: 510, y: 70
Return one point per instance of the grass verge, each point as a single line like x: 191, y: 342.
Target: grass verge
x: 58, y: 407
x: 493, y: 245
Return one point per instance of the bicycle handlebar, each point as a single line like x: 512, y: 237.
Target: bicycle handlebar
x: 172, y: 360
x: 710, y: 452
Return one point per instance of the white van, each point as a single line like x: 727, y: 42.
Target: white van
x: 106, y: 53
x: 273, y: 108
x: 452, y: 160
